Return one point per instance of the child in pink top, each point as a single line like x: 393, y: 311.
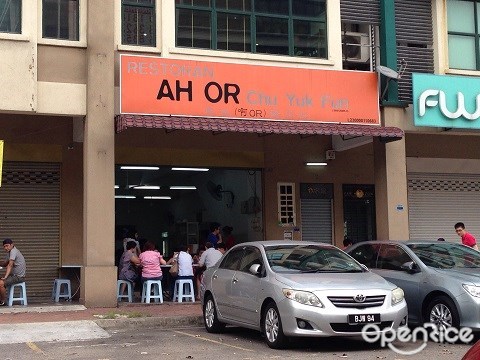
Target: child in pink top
x: 151, y: 260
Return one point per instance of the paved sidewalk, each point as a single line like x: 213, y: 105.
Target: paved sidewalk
x: 127, y: 314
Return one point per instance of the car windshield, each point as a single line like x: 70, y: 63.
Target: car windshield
x: 310, y: 259
x: 446, y: 256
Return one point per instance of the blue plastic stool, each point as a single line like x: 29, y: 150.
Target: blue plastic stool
x: 120, y: 294
x: 23, y: 294
x: 156, y: 287
x: 183, y: 290
x: 57, y: 292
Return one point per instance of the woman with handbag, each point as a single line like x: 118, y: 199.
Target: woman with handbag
x: 184, y: 263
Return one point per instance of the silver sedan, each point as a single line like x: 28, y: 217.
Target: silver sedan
x: 297, y: 288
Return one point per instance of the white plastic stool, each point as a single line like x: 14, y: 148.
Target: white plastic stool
x: 120, y: 294
x: 57, y: 292
x: 183, y: 290
x: 156, y: 287
x: 23, y: 294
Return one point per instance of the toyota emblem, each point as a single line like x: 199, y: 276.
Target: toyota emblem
x: 359, y: 298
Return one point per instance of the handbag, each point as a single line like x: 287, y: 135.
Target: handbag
x: 174, y: 269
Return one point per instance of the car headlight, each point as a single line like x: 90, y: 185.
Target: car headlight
x: 472, y: 290
x: 397, y: 296
x: 303, y: 297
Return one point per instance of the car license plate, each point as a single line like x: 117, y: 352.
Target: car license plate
x: 364, y: 319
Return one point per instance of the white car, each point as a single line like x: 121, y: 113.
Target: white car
x: 297, y: 288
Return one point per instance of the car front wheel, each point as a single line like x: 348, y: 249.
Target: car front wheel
x: 443, y: 313
x: 272, y: 327
x: 210, y: 317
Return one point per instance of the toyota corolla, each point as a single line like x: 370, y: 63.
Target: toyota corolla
x: 295, y: 288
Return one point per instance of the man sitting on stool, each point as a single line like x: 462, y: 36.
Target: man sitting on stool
x: 209, y: 258
x: 15, y: 269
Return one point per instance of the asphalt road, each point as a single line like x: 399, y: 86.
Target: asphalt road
x: 235, y: 343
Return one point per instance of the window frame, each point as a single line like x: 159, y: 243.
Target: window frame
x: 21, y: 21
x: 58, y: 25
x: 289, y: 208
x: 253, y: 14
x: 25, y: 18
x: 82, y: 29
x: 154, y: 7
x: 475, y: 36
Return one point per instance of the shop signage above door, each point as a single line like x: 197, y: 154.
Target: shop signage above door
x: 158, y: 86
x: 446, y: 101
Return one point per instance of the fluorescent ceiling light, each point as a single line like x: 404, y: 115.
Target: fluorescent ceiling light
x: 188, y: 169
x: 157, y: 197
x: 117, y: 187
x: 139, y: 168
x: 146, y: 187
x: 183, y: 188
x: 316, y: 164
x: 125, y: 197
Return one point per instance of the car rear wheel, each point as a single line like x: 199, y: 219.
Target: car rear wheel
x: 210, y: 317
x: 272, y: 327
x: 442, y: 312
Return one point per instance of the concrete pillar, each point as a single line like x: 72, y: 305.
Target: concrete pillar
x: 391, y: 184
x: 99, y: 274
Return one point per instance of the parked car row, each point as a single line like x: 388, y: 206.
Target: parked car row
x: 296, y: 288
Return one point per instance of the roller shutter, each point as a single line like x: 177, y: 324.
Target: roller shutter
x: 437, y: 201
x: 316, y: 212
x: 30, y: 215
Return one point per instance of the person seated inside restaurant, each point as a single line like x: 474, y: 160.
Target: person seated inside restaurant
x: 128, y: 265
x: 198, y: 255
x: 185, y: 267
x: 151, y: 260
x: 208, y: 259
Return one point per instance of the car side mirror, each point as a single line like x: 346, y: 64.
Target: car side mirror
x: 410, y: 267
x: 255, y: 269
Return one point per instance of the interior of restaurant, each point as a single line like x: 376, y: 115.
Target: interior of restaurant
x: 175, y: 205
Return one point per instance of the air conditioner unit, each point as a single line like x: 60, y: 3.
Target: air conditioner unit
x: 356, y: 47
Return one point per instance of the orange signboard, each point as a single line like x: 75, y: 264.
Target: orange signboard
x: 158, y: 86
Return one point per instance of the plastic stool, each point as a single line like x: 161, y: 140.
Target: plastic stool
x: 23, y: 293
x: 57, y: 292
x: 183, y: 290
x: 120, y: 294
x: 156, y: 287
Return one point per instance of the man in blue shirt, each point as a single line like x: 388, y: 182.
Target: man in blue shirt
x: 215, y: 235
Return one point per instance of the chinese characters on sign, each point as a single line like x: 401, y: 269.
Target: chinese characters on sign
x: 158, y: 86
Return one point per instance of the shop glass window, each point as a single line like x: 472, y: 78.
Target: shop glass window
x: 11, y: 16
x: 463, y: 34
x: 283, y: 27
x: 138, y: 22
x: 286, y: 203
x: 60, y: 19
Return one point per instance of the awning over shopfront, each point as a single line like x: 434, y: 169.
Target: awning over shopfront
x: 262, y: 127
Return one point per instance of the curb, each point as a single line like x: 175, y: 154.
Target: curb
x: 165, y: 322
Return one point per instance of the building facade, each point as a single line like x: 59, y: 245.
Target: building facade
x: 69, y: 125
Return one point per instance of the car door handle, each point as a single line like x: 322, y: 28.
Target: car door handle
x: 234, y: 280
x: 214, y: 276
